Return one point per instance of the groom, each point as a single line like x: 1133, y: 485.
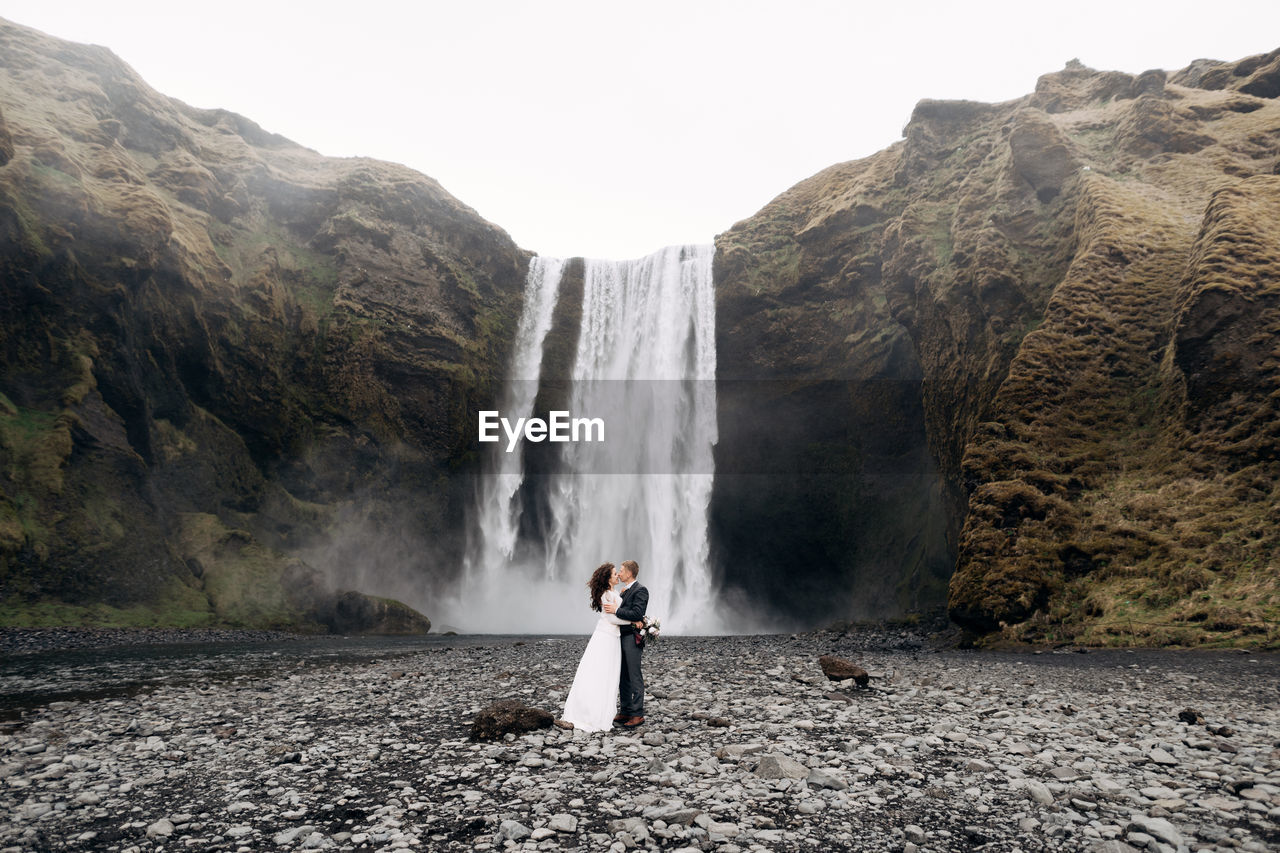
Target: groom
x: 635, y: 599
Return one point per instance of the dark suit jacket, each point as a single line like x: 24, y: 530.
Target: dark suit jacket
x: 635, y: 600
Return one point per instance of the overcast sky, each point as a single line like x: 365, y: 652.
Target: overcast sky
x: 609, y: 129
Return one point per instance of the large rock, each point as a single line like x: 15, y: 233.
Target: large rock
x: 356, y: 613
x: 510, y: 716
x: 839, y: 669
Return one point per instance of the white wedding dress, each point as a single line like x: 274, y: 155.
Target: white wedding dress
x: 593, y: 698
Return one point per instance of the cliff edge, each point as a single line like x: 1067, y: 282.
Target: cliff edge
x: 235, y: 373
x: 1054, y: 320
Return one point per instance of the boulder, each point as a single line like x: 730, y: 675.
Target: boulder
x: 839, y: 669
x: 508, y: 716
x: 352, y: 612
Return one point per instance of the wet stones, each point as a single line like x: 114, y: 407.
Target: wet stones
x: 969, y: 749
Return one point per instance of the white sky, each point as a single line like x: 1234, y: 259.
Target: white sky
x: 608, y: 129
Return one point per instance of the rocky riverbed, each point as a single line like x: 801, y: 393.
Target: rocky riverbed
x: 16, y: 641
x: 747, y: 746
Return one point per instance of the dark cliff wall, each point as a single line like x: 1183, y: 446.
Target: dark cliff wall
x: 226, y: 359
x: 1053, y: 322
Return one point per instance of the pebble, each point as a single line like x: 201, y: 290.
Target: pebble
x: 563, y: 823
x: 943, y: 750
x: 162, y: 828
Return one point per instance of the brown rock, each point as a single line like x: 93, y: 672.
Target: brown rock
x: 1153, y: 126
x: 839, y: 669
x: 509, y: 716
x: 352, y: 612
x: 1150, y: 83
x: 1042, y: 155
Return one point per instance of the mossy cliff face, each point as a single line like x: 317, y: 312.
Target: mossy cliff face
x: 224, y: 354
x: 1055, y: 321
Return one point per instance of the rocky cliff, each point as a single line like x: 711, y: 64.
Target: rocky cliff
x: 1034, y: 342
x: 1021, y: 364
x: 235, y: 374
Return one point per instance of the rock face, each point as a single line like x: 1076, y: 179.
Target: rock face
x: 1033, y: 342
x: 1022, y: 364
x: 235, y: 373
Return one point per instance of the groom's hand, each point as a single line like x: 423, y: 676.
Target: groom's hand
x: 610, y: 607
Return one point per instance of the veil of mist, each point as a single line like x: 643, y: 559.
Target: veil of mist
x: 1023, y: 366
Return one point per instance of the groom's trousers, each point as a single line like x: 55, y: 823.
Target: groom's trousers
x: 630, y: 681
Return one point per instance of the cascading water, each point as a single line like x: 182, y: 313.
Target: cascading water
x: 499, y: 509
x: 645, y: 365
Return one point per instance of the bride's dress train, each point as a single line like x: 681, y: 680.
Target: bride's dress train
x: 593, y: 698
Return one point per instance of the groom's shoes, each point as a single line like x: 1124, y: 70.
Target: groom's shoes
x: 634, y: 722
x: 619, y: 719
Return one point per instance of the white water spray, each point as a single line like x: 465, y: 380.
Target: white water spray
x: 645, y: 363
x: 499, y: 504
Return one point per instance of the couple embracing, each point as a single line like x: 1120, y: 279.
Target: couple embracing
x: 608, y: 676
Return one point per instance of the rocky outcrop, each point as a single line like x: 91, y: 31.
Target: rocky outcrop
x: 1032, y: 342
x: 225, y: 355
x: 356, y: 613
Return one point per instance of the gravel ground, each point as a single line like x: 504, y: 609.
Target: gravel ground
x: 16, y: 641
x: 747, y: 746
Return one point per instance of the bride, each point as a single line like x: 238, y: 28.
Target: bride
x: 593, y: 697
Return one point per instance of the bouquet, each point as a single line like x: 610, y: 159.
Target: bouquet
x: 650, y: 630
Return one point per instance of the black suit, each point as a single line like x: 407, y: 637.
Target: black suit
x: 635, y: 600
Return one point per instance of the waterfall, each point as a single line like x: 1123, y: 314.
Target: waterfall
x: 645, y: 365
x: 499, y: 504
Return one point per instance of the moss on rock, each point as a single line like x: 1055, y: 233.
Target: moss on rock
x: 204, y: 320
x: 1082, y: 280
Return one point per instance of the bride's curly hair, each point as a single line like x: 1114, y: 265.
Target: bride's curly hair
x: 600, y: 581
